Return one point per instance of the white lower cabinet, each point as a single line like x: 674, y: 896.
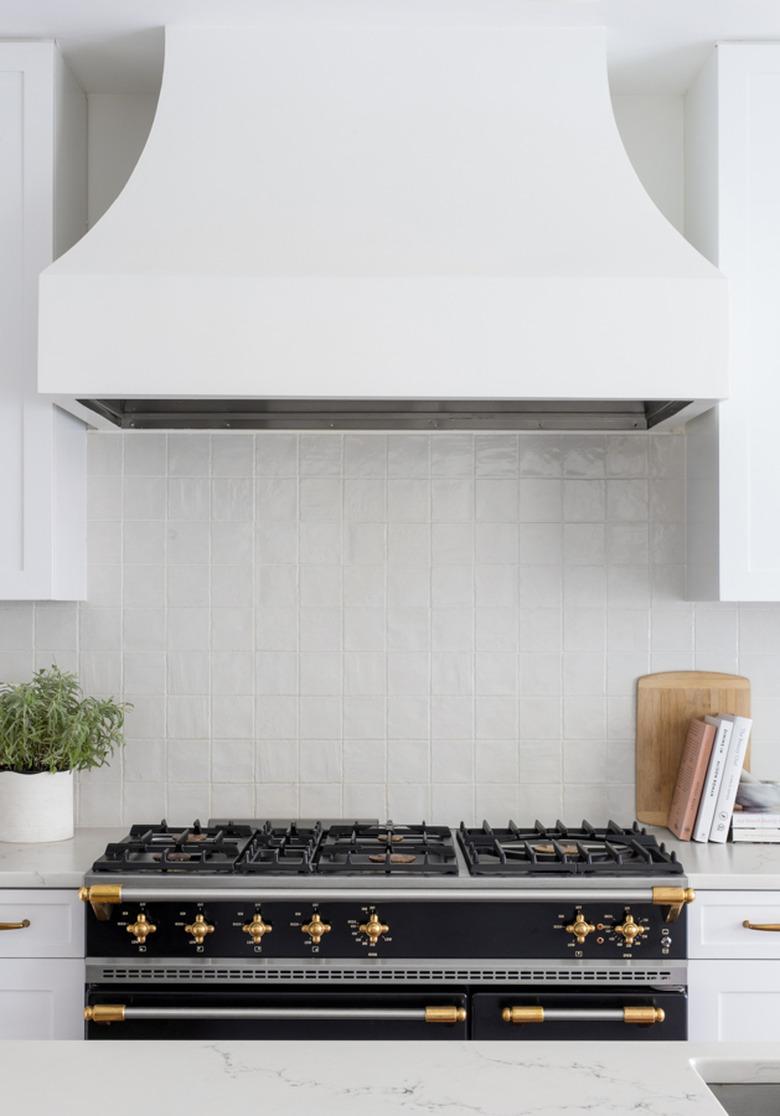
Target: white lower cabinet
x: 41, y: 999
x: 734, y: 1001
x: 734, y: 968
x: 41, y: 964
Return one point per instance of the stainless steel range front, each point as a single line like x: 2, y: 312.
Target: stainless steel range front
x: 282, y: 929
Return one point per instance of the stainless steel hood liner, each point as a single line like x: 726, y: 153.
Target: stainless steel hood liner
x: 386, y: 215
x: 382, y: 414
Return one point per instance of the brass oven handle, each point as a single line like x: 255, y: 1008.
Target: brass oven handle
x: 773, y: 926
x: 646, y: 1015
x: 15, y: 925
x: 119, y: 1013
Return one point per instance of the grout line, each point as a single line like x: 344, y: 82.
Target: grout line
x: 297, y: 794
x: 209, y: 641
x: 123, y: 436
x: 166, y: 788
x: 256, y: 804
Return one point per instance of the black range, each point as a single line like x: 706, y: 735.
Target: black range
x: 281, y: 927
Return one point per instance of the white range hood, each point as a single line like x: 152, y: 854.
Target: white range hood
x: 397, y: 225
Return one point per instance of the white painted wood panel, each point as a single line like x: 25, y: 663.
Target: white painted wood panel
x: 42, y: 460
x: 733, y: 216
x: 41, y: 999
x: 56, y: 923
x: 733, y: 1001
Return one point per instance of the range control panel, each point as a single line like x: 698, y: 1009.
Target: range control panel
x: 393, y: 930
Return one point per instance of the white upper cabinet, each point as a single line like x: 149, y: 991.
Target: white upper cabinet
x: 733, y: 216
x: 42, y: 213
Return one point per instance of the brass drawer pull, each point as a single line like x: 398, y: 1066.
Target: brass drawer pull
x: 772, y: 926
x: 15, y: 925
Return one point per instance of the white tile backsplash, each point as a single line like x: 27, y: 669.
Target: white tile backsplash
x: 447, y: 625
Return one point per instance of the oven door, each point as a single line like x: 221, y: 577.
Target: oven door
x: 225, y: 1012
x: 523, y: 1014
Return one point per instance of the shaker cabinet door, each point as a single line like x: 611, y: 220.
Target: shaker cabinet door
x: 41, y: 999
x: 733, y: 1001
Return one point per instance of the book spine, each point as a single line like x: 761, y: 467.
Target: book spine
x: 744, y: 819
x: 690, y: 779
x: 732, y: 770
x: 757, y: 836
x: 709, y: 796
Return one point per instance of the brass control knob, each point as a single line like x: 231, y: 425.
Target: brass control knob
x: 257, y: 929
x: 141, y: 929
x: 630, y: 930
x: 198, y: 929
x: 374, y: 929
x: 315, y: 928
x: 580, y: 928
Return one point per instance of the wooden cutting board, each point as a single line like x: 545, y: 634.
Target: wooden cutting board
x: 665, y: 703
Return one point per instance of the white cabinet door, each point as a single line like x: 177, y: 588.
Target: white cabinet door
x: 41, y: 999
x: 42, y: 449
x: 733, y: 217
x: 733, y: 1001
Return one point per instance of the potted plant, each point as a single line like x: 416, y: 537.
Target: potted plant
x: 48, y: 730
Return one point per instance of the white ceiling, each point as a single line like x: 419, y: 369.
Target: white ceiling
x: 654, y: 45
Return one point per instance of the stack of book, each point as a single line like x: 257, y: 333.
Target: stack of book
x: 756, y: 811
x: 709, y: 776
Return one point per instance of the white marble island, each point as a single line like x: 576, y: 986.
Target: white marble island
x: 457, y: 1078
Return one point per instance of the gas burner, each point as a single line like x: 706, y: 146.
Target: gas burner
x: 352, y: 850
x: 539, y: 850
x: 284, y: 849
x: 160, y: 848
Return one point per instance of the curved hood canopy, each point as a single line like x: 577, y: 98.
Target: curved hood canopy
x: 356, y: 224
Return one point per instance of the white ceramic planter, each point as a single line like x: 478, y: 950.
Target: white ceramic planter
x: 36, y: 807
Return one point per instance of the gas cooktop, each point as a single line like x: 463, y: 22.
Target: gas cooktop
x: 272, y: 848
x: 539, y: 850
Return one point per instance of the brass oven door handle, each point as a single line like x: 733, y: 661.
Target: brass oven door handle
x: 15, y: 925
x: 119, y: 1013
x: 645, y: 1015
x: 773, y: 927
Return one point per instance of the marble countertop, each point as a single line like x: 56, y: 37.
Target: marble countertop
x: 708, y: 867
x: 457, y: 1078
x: 734, y: 867
x: 59, y: 864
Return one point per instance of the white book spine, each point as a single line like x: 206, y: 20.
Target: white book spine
x: 732, y: 770
x: 757, y: 836
x: 709, y: 797
x: 744, y: 820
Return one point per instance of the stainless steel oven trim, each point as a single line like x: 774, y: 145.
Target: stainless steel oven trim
x: 252, y: 891
x: 254, y: 971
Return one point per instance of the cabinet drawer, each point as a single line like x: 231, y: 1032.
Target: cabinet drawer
x: 56, y: 924
x: 716, y: 925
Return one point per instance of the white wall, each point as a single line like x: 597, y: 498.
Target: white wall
x: 651, y: 128
x: 118, y: 126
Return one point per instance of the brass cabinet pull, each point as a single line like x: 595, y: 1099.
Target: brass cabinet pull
x: 772, y: 926
x: 646, y: 1015
x: 119, y: 1013
x: 15, y: 925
